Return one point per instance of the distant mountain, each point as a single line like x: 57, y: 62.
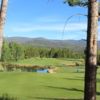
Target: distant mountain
x: 18, y: 39
x: 77, y: 45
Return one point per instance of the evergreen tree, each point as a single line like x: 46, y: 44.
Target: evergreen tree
x: 91, y: 52
x: 12, y: 47
x: 19, y: 52
x: 3, y: 10
x: 64, y: 53
x: 27, y: 52
x: 5, y: 56
x: 36, y: 52
x: 42, y: 53
x: 67, y: 53
x: 52, y: 52
x: 59, y: 53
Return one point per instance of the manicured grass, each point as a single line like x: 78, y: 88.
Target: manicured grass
x: 48, y: 61
x: 65, y: 84
x: 44, y: 86
x: 33, y: 86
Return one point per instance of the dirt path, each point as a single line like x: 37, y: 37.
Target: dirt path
x: 52, y: 70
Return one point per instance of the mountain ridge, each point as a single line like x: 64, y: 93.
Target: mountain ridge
x: 77, y: 45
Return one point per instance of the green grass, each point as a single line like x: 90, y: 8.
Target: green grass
x: 1, y: 67
x: 44, y: 86
x: 48, y: 61
x: 65, y: 84
x: 32, y: 86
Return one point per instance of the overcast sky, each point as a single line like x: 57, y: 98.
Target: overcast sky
x: 37, y: 18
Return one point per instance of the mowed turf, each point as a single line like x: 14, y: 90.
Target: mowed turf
x: 65, y: 84
x: 48, y: 61
x: 32, y: 86
x: 44, y: 86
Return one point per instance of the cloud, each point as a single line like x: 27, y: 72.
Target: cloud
x: 48, y: 19
x: 75, y: 26
x: 70, y: 36
x: 54, y: 27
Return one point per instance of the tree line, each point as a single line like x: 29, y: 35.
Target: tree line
x: 15, y: 52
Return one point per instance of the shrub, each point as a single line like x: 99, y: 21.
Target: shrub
x: 80, y: 64
x: 77, y: 64
x: 7, y: 97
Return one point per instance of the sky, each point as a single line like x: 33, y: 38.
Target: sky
x: 40, y: 18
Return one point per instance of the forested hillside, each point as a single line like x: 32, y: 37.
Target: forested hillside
x: 76, y: 45
x: 15, y: 51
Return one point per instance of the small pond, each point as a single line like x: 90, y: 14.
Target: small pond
x: 26, y: 69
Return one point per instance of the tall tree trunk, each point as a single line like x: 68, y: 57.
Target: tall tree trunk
x: 91, y: 52
x: 2, y: 20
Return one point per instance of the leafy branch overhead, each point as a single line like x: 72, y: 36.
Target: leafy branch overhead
x: 82, y: 3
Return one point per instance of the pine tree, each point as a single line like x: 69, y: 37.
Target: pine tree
x: 27, y: 52
x: 3, y: 9
x: 5, y: 56
x: 59, y: 53
x: 52, y: 52
x: 12, y: 47
x: 91, y: 52
x: 19, y: 52
x: 64, y: 53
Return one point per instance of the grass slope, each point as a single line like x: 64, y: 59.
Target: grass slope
x: 32, y: 86
x: 44, y: 86
x: 63, y: 85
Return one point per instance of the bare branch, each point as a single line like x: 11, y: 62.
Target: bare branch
x: 83, y: 6
x: 84, y: 39
x: 67, y: 21
x: 84, y: 31
x: 48, y: 2
x: 11, y: 8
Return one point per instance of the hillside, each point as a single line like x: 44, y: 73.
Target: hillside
x: 18, y: 39
x: 77, y: 45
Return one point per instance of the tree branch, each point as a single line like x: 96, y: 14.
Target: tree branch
x: 80, y: 3
x: 84, y: 31
x: 67, y: 21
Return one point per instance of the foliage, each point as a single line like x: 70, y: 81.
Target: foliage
x: 15, y: 52
x: 7, y: 97
x: 51, y: 53
x: 12, y: 52
x: 81, y: 3
x: 5, y: 56
x: 74, y: 2
x: 19, y: 52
